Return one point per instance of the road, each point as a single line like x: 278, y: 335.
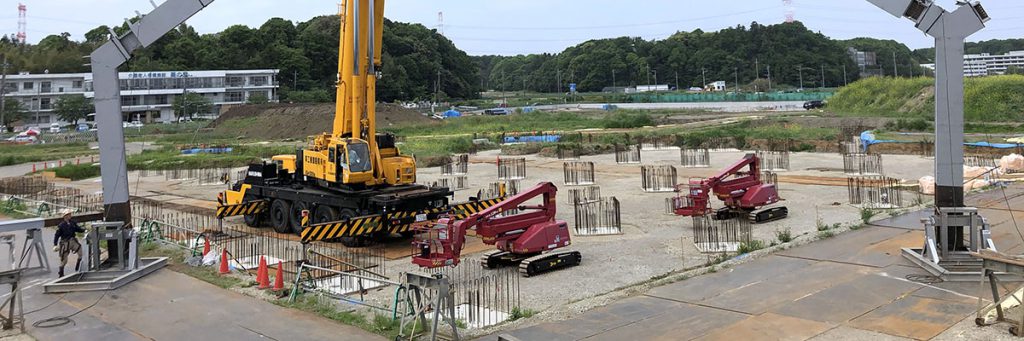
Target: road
x: 715, y: 106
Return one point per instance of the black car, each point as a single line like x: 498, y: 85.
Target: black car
x: 811, y: 105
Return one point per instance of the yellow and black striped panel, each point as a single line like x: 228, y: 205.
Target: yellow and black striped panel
x: 351, y: 228
x: 244, y: 208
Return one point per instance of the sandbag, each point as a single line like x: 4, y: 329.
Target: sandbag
x: 927, y: 184
x: 975, y: 184
x: 1012, y: 163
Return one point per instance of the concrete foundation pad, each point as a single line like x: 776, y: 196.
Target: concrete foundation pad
x: 683, y: 322
x: 914, y: 317
x: 858, y: 297
x: 871, y: 246
x: 705, y: 287
x: 785, y: 287
x: 770, y: 327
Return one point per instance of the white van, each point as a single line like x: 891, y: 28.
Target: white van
x: 54, y: 128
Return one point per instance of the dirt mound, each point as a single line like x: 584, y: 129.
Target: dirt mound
x: 299, y: 121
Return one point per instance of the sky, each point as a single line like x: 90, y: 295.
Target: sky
x: 510, y: 27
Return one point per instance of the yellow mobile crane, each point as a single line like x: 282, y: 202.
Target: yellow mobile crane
x: 352, y: 178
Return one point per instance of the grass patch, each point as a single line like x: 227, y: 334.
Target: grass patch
x: 77, y: 172
x: 866, y: 213
x: 14, y: 209
x: 826, y: 234
x: 521, y: 313
x: 986, y: 99
x: 784, y: 236
x: 170, y: 157
x: 18, y: 154
x: 751, y: 246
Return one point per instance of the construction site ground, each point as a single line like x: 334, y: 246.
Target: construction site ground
x: 851, y: 287
x: 655, y: 244
x: 166, y: 305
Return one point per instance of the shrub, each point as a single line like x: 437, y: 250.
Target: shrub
x: 784, y: 236
x: 751, y: 246
x: 866, y: 213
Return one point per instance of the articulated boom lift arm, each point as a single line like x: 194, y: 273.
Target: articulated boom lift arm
x: 741, y: 190
x: 494, y: 229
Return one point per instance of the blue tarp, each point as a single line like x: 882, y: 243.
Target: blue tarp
x: 867, y: 138
x: 452, y: 113
x: 532, y: 139
x: 992, y: 145
x: 206, y: 151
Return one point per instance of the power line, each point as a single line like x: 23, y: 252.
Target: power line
x: 505, y: 28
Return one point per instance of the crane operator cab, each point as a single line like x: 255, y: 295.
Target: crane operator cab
x: 352, y: 158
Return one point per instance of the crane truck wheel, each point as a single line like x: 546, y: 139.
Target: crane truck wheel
x: 325, y: 214
x: 295, y: 216
x: 253, y: 220
x: 346, y: 214
x: 279, y: 214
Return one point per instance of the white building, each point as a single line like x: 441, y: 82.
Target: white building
x: 716, y: 86
x: 145, y: 96
x: 986, y: 64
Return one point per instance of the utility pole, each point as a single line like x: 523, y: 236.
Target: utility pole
x: 822, y: 77
x: 648, y: 75
x: 800, y: 69
x: 704, y: 78
x: 295, y: 79
x: 757, y: 73
x: 844, y: 75
x: 677, y: 80
x: 655, y: 76
x: 558, y: 83
x: 769, y: 77
x: 3, y: 98
x: 736, y: 73
x: 895, y: 72
x: 613, y: 79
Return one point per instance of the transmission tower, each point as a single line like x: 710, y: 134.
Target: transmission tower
x: 790, y: 13
x: 21, y: 23
x: 440, y: 23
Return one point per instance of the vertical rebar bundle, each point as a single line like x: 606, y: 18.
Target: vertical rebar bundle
x: 717, y: 236
x: 658, y: 178
x: 455, y: 183
x: 569, y: 152
x: 653, y: 143
x: 770, y: 177
x: 862, y: 164
x: 979, y: 160
x: 511, y: 168
x: 483, y: 297
x: 601, y: 217
x: 456, y: 165
x: 695, y: 158
x: 774, y: 160
x: 627, y: 154
x: 875, y: 191
x: 578, y: 173
x: 583, y: 194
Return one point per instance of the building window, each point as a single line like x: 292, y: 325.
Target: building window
x: 258, y: 93
x: 129, y: 101
x: 28, y: 86
x: 11, y: 87
x: 234, y: 97
x: 45, y: 87
x: 44, y: 104
x: 76, y: 84
x: 235, y: 82
x: 160, y: 99
x: 258, y: 80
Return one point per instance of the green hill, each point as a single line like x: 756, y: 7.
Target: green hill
x: 986, y: 99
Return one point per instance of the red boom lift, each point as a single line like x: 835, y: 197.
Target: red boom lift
x: 741, y: 191
x: 527, y: 237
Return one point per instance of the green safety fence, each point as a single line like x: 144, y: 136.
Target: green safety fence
x: 729, y: 97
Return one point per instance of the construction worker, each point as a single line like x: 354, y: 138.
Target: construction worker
x: 65, y: 242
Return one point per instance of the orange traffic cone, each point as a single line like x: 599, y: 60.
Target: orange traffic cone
x: 279, y: 277
x: 206, y: 246
x: 224, y: 262
x: 262, y: 274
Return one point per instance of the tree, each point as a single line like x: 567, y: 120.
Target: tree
x: 258, y: 99
x: 1014, y: 70
x: 13, y: 111
x: 190, y: 104
x: 73, y: 108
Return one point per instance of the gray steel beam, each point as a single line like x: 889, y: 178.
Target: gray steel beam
x: 105, y: 61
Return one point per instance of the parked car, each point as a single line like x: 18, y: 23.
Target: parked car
x: 82, y: 127
x: 498, y: 111
x: 811, y: 105
x: 55, y: 128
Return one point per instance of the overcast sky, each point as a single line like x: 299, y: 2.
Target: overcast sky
x: 511, y: 27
